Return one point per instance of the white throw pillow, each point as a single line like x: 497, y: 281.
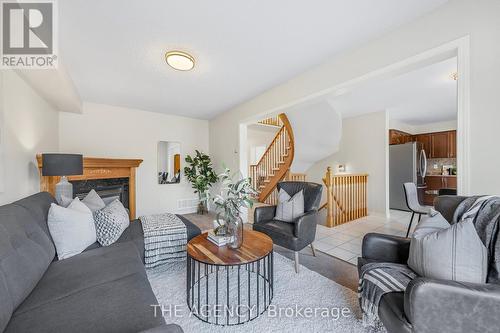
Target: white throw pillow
x: 289, y: 208
x: 93, y: 201
x: 441, y: 251
x: 72, y: 228
x: 110, y: 223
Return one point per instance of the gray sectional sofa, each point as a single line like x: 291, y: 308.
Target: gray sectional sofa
x: 103, y: 289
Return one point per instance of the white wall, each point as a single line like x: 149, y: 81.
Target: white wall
x: 258, y: 136
x: 455, y: 19
x: 362, y: 149
x: 110, y: 131
x: 29, y: 125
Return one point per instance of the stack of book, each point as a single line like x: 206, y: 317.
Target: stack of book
x: 218, y: 240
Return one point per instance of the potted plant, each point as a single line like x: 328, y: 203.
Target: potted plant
x: 201, y: 175
x: 234, y: 196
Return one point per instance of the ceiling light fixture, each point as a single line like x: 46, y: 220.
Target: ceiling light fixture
x: 179, y: 60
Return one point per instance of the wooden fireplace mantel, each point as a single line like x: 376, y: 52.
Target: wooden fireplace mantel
x: 98, y: 168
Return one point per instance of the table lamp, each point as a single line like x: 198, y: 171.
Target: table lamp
x: 62, y: 165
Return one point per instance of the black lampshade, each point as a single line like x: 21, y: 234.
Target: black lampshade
x: 62, y: 164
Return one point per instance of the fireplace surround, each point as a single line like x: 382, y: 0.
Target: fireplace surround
x: 110, y: 177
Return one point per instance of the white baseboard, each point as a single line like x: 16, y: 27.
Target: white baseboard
x: 186, y: 210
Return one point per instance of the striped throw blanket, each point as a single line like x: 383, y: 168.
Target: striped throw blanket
x: 165, y: 239
x: 377, y: 279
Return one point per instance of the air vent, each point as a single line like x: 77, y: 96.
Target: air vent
x: 187, y: 205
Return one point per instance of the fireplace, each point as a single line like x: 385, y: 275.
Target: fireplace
x: 108, y: 189
x: 109, y: 177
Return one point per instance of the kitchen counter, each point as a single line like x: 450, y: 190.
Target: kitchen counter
x: 435, y: 183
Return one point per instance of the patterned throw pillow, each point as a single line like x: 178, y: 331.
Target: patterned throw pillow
x: 289, y: 208
x: 110, y: 222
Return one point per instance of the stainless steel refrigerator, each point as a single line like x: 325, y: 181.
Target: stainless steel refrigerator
x: 407, y: 163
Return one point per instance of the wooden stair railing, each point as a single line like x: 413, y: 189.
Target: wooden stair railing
x: 275, y: 162
x: 346, y: 197
x: 273, y: 121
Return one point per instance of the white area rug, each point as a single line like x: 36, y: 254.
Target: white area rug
x: 293, y: 295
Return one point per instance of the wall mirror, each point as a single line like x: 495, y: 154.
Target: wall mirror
x: 169, y: 162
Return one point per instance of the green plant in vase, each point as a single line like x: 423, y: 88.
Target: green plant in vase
x: 200, y: 174
x: 233, y: 197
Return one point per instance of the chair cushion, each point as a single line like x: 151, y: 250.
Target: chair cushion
x: 26, y: 251
x: 102, y: 290
x: 282, y: 234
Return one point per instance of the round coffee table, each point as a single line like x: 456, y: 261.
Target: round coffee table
x: 229, y: 286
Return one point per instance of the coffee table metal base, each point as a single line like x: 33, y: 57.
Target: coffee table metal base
x: 229, y: 294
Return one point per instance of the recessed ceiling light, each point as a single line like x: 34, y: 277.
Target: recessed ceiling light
x: 179, y: 60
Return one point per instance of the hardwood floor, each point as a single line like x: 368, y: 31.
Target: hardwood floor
x: 340, y: 271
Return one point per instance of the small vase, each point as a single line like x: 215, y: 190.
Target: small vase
x: 235, y: 229
x: 202, y: 204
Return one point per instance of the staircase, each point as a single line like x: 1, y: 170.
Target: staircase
x: 276, y: 161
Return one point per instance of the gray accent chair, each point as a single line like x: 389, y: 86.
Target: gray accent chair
x: 430, y: 305
x: 103, y: 289
x: 294, y: 235
x: 414, y: 206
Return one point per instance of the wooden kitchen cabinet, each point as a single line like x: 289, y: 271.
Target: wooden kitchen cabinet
x: 434, y: 183
x: 397, y: 137
x: 425, y: 139
x: 452, y: 144
x: 451, y: 182
x: 440, y: 145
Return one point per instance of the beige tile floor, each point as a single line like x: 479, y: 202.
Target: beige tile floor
x: 344, y: 241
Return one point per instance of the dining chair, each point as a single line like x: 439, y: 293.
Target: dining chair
x: 413, y: 204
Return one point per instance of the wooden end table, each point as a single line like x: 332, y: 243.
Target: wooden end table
x: 229, y: 286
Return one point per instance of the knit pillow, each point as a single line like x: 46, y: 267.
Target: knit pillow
x: 441, y: 251
x: 110, y: 223
x: 289, y: 208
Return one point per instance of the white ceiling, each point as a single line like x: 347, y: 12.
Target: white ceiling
x: 114, y: 49
x: 423, y: 96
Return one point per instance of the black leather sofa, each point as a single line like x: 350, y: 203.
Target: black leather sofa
x: 294, y: 235
x: 103, y: 289
x: 430, y: 305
